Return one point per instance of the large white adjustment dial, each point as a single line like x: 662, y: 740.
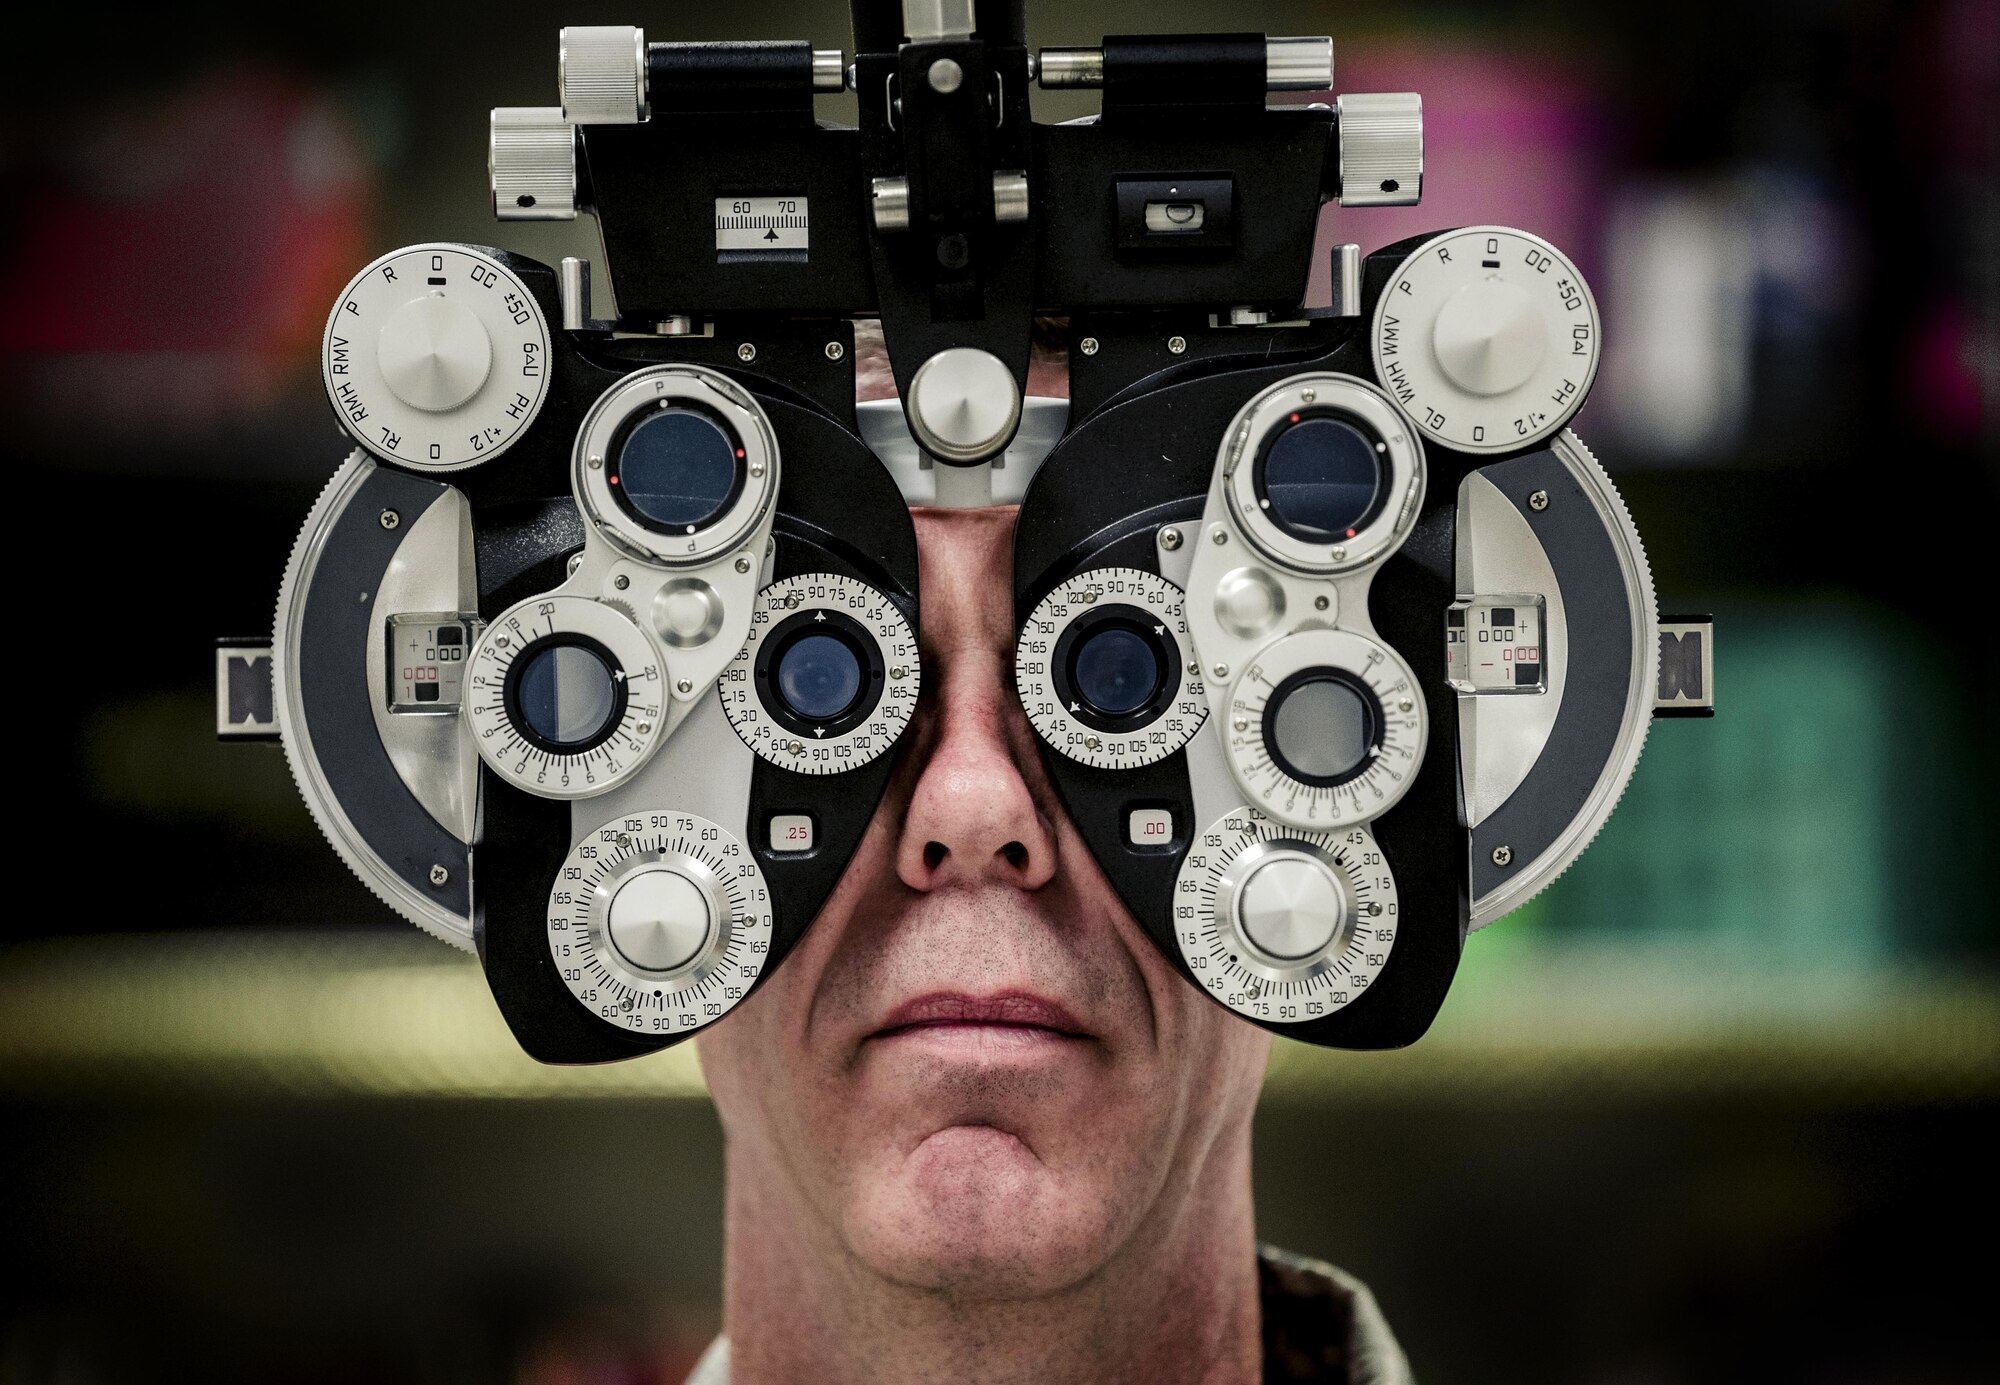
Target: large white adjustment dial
x: 1488, y: 338
x: 564, y: 696
x: 1282, y: 924
x: 1325, y: 728
x: 660, y: 922
x: 828, y: 677
x: 436, y: 357
x: 1106, y: 670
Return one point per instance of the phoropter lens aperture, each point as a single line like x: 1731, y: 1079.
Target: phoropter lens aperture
x: 564, y: 694
x: 677, y: 469
x: 1116, y: 670
x: 819, y: 676
x: 1322, y: 725
x: 1320, y: 477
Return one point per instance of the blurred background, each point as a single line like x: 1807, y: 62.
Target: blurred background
x: 1718, y: 1107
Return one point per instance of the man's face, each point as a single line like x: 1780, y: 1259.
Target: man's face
x: 975, y: 1074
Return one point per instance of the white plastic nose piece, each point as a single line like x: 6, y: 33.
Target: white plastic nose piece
x: 963, y: 404
x: 1489, y: 338
x: 434, y: 353
x: 659, y: 920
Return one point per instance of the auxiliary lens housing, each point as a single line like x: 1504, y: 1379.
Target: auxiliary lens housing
x: 675, y: 466
x: 1323, y: 476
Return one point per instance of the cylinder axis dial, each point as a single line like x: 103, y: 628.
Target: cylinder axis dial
x: 1325, y: 729
x: 828, y: 677
x: 1488, y: 339
x: 436, y: 357
x: 1106, y: 670
x: 660, y: 922
x: 565, y: 696
x: 1283, y: 925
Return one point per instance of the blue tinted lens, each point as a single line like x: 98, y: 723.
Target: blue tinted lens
x: 819, y: 677
x: 566, y: 695
x: 1117, y: 671
x: 1322, y: 476
x: 678, y: 468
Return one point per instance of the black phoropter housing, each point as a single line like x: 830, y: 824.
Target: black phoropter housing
x: 1172, y: 238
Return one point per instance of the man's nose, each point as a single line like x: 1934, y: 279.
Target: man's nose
x: 972, y: 817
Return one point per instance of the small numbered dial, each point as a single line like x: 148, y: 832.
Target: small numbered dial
x: 828, y: 677
x: 1106, y: 672
x: 1325, y: 728
x: 660, y: 922
x: 1487, y: 338
x: 436, y: 357
x: 1283, y: 925
x: 565, y: 696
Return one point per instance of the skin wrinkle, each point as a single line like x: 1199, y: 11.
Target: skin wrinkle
x: 1009, y: 1206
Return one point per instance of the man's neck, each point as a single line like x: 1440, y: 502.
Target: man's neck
x: 1177, y: 1305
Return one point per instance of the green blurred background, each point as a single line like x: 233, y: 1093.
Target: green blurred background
x: 1717, y: 1107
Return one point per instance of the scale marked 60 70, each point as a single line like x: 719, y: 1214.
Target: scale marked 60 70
x: 761, y: 223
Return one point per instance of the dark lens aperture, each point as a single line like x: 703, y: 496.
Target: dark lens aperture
x: 565, y: 696
x: 1116, y: 671
x: 1321, y: 478
x: 819, y: 677
x: 678, y: 469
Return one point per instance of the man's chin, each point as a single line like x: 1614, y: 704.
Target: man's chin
x: 973, y: 1212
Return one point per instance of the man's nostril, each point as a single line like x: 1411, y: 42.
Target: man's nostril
x: 1015, y: 855
x: 934, y: 854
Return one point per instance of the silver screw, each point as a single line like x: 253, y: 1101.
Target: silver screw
x: 1091, y: 743
x: 439, y: 875
x: 1373, y: 910
x: 899, y: 671
x: 597, y: 463
x: 1339, y: 553
x: 621, y: 581
x: 796, y: 747
x: 626, y: 1003
x: 575, y: 562
x: 756, y: 468
x: 945, y: 76
x: 1538, y: 500
x: 1502, y: 855
x: 1406, y: 705
x: 1320, y: 603
x: 1088, y: 346
x: 1308, y: 395
x: 1254, y: 990
x: 1242, y: 723
x: 644, y: 728
x: 1219, y: 537
x: 834, y: 351
x: 389, y: 519
x: 1176, y: 345
x: 623, y: 841
x: 1221, y: 670
x: 746, y: 353
x: 743, y: 564
x: 684, y: 686
x: 500, y: 641
x: 1170, y: 539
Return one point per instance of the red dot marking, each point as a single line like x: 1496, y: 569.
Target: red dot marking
x: 1350, y: 533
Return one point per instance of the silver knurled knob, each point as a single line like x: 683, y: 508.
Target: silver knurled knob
x: 1381, y: 149
x: 602, y: 74
x: 531, y: 164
